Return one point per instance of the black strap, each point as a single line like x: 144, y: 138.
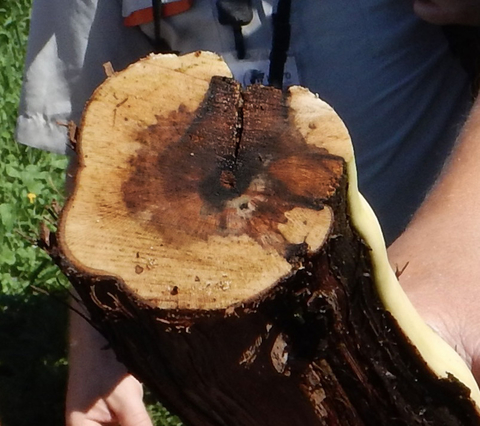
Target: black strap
x: 157, y: 18
x: 280, y: 43
x: 159, y: 44
x: 236, y: 13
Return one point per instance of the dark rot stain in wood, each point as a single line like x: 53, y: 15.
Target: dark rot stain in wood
x: 233, y: 167
x: 296, y: 251
x: 227, y: 179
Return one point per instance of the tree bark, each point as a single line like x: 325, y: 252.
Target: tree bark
x: 214, y: 237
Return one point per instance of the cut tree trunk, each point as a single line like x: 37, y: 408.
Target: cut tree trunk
x: 216, y: 236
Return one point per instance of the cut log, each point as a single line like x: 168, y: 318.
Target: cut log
x: 217, y: 238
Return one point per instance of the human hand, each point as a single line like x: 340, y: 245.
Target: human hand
x: 442, y: 280
x: 442, y: 248
x: 444, y: 12
x: 100, y: 391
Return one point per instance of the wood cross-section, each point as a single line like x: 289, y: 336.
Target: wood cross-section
x: 199, y: 197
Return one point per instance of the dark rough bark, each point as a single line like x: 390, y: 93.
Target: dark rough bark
x: 319, y: 349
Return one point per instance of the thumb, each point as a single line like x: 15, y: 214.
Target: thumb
x: 77, y: 418
x: 133, y: 413
x: 126, y: 403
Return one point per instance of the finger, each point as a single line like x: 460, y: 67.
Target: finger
x: 77, y: 418
x: 431, y: 12
x: 97, y: 414
x: 126, y: 403
x: 134, y: 416
x: 446, y: 13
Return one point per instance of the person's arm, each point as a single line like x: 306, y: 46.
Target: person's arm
x: 445, y: 12
x: 441, y: 249
x: 100, y: 391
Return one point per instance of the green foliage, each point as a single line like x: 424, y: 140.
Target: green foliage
x: 23, y: 170
x: 33, y: 362
x: 159, y: 415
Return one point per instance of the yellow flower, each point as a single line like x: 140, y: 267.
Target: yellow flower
x: 31, y: 196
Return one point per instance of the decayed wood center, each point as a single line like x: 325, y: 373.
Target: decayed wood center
x: 210, y: 237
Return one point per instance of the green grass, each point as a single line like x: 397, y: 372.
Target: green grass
x: 33, y: 331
